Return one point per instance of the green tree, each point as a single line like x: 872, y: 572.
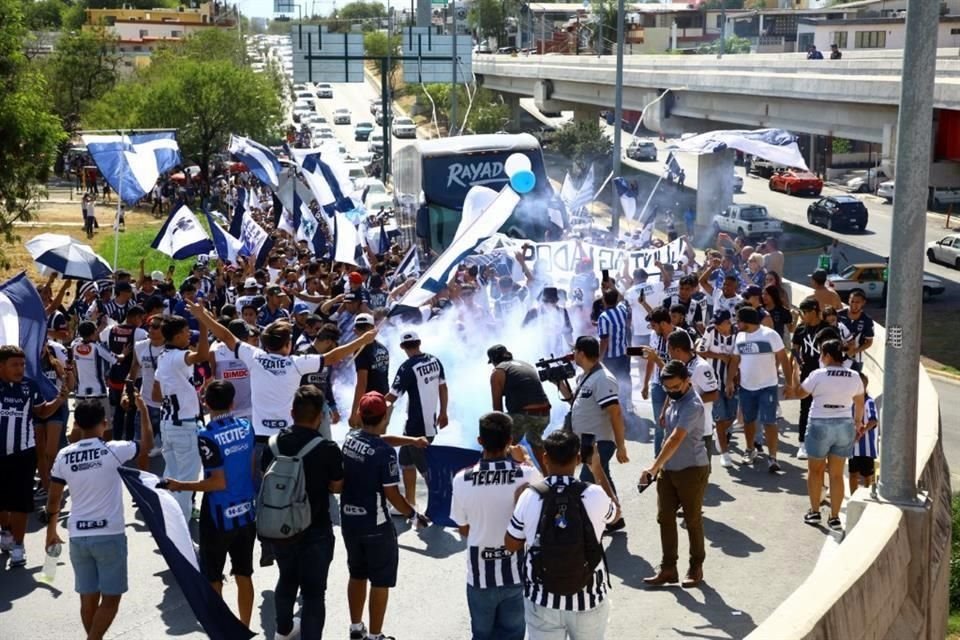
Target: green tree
x: 583, y: 141
x: 605, y: 24
x: 378, y: 43
x: 43, y: 15
x: 361, y: 11
x: 488, y: 17
x: 29, y: 133
x: 733, y: 44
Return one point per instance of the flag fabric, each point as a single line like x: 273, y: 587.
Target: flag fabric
x: 408, y: 267
x: 628, y: 197
x: 162, y: 515
x: 671, y: 164
x: 776, y: 145
x: 131, y: 164
x: 383, y: 244
x: 226, y: 246
x: 567, y: 190
x: 239, y: 212
x: 345, y: 240
x: 259, y: 159
x: 584, y: 195
x: 181, y: 236
x: 326, y: 174
x: 23, y: 322
x: 254, y: 240
x: 444, y: 462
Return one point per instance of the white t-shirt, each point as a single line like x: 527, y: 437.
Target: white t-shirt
x: 721, y: 303
x: 235, y: 371
x: 147, y: 355
x: 833, y: 389
x: 175, y: 376
x: 652, y: 295
x: 274, y: 379
x: 704, y: 381
x: 758, y: 359
x: 89, y: 467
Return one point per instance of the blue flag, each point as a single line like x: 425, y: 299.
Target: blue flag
x: 162, y: 515
x: 23, y: 322
x: 131, y: 164
x: 628, y: 197
x: 253, y: 239
x: 227, y: 247
x: 259, y: 159
x: 444, y: 463
x: 181, y: 236
x: 672, y: 165
x: 326, y: 174
x: 384, y: 243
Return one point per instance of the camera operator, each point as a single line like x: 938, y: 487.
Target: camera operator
x: 517, y: 384
x: 596, y: 410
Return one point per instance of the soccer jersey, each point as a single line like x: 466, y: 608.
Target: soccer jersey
x: 867, y: 445
x: 758, y: 359
x: 89, y: 468
x: 91, y: 360
x: 147, y: 355
x: 613, y: 324
x: 274, y: 379
x: 483, y: 499
x: 420, y: 377
x: 227, y: 443
x: 860, y: 329
x: 376, y: 360
x: 715, y: 342
x: 17, y: 400
x: 175, y: 376
x: 704, y: 381
x: 265, y: 316
x: 235, y: 371
x: 833, y: 389
x: 638, y: 313
x: 369, y: 465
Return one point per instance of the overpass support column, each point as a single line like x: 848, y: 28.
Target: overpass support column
x: 888, y: 148
x: 512, y: 101
x: 585, y: 113
x: 714, y: 184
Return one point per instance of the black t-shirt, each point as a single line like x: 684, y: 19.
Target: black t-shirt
x: 804, y: 349
x: 376, y: 360
x: 781, y: 318
x: 321, y: 466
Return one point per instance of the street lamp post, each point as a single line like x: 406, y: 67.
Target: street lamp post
x: 617, y: 119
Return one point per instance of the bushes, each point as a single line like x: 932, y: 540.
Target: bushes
x: 955, y: 557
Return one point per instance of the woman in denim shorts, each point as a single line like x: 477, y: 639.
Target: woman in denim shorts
x: 836, y: 411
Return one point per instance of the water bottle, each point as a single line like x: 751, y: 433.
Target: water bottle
x: 50, y: 563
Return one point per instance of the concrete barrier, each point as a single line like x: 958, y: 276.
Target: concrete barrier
x: 888, y: 578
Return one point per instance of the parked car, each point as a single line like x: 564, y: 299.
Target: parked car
x: 507, y: 50
x: 642, y: 150
x: 379, y: 117
x: 316, y: 118
x: 941, y: 198
x: 375, y: 142
x: 341, y: 116
x: 747, y: 220
x: 834, y: 212
x: 404, y: 128
x: 375, y: 105
x: 794, y: 181
x: 946, y: 250
x: 324, y: 90
x: 869, y: 182
x: 869, y: 277
x: 885, y: 190
x: 762, y: 167
x: 362, y: 131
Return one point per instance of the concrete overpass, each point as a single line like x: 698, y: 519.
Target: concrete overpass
x: 855, y: 97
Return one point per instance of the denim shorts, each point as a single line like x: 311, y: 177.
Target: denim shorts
x: 759, y: 406
x: 724, y: 408
x: 829, y: 436
x: 99, y: 564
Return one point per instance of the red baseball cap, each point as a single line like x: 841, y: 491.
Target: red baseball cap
x: 355, y: 277
x: 373, y: 405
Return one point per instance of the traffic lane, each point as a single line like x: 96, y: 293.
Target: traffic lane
x: 950, y: 423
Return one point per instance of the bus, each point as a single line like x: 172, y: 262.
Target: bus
x: 432, y: 178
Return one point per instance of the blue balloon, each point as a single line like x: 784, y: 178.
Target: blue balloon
x: 523, y: 181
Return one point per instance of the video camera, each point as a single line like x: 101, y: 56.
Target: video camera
x: 556, y: 370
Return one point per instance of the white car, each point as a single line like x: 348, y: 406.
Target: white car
x: 323, y: 133
x: 324, y: 90
x: 316, y: 118
x: 747, y: 220
x: 375, y: 142
x: 341, y: 116
x: 374, y: 186
x: 885, y: 190
x: 946, y: 250
x: 404, y: 128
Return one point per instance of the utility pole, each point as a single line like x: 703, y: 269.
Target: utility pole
x: 898, y: 452
x: 617, y: 118
x: 723, y: 28
x: 453, y: 129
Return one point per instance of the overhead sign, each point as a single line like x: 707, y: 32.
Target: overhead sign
x: 428, y: 57
x: 283, y: 6
x: 319, y: 56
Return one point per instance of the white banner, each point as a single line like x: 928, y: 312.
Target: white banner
x: 776, y: 145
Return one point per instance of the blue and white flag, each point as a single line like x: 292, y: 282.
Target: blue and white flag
x: 253, y: 239
x: 383, y: 244
x: 181, y: 236
x: 163, y: 517
x: 23, y: 322
x: 671, y: 164
x: 227, y: 247
x: 628, y: 197
x: 131, y: 164
x: 444, y: 462
x: 584, y: 194
x: 259, y: 159
x: 345, y: 240
x: 327, y: 176
x: 408, y: 267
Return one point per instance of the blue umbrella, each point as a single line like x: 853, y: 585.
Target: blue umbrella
x: 68, y: 257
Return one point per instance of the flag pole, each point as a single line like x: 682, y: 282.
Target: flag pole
x: 649, y: 198
x: 116, y: 227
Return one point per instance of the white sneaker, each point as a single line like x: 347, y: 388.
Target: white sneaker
x: 18, y: 557
x: 748, y: 456
x: 6, y: 542
x: 802, y: 452
x: 294, y: 633
x: 725, y: 460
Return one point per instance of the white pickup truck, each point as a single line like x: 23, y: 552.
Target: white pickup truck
x: 747, y: 220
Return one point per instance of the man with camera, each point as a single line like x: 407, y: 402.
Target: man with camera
x: 595, y: 410
x: 517, y: 385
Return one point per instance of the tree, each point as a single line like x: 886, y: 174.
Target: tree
x: 29, y: 133
x: 733, y: 44
x: 488, y: 17
x: 361, y: 11
x: 605, y: 22
x: 43, y: 15
x: 583, y: 141
x: 378, y: 43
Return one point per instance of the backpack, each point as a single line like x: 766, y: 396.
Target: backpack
x: 567, y: 552
x: 283, y: 508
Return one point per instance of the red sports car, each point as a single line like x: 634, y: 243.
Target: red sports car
x: 794, y: 181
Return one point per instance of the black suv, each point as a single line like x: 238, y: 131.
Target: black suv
x: 835, y: 212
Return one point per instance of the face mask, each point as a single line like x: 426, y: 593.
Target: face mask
x: 676, y: 395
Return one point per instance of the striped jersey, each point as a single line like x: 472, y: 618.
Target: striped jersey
x: 17, y: 400
x: 715, y: 342
x: 483, y: 497
x: 420, y: 377
x: 227, y: 443
x: 523, y: 526
x: 91, y: 360
x: 614, y: 324
x: 867, y: 445
x: 116, y: 311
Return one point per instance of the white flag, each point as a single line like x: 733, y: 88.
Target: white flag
x: 181, y: 236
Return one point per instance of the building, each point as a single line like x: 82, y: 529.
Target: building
x: 140, y: 31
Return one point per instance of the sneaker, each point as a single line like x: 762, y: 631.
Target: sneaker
x: 294, y: 633
x: 358, y: 633
x: 749, y: 456
x: 267, y: 556
x: 380, y: 636
x: 812, y: 517
x: 725, y: 460
x: 6, y: 541
x: 835, y: 524
x: 18, y: 556
x: 802, y: 452
x: 773, y: 466
x: 615, y: 526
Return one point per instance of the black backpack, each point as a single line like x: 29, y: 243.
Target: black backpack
x: 566, y: 552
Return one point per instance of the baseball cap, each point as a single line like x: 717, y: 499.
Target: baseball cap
x: 752, y: 290
x: 409, y: 336
x: 721, y: 316
x: 819, y: 276
x: 274, y: 290
x: 372, y: 405
x: 497, y: 353
x: 157, y: 276
x: 59, y: 322
x: 355, y: 277
x: 550, y: 294
x: 364, y: 319
x: 250, y: 283
x: 300, y: 307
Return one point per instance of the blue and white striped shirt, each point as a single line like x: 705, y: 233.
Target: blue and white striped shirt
x: 867, y: 445
x: 613, y: 324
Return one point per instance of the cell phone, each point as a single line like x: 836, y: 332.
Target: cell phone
x: 606, y: 274
x: 636, y: 352
x: 642, y: 295
x: 587, y: 441
x: 645, y: 481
